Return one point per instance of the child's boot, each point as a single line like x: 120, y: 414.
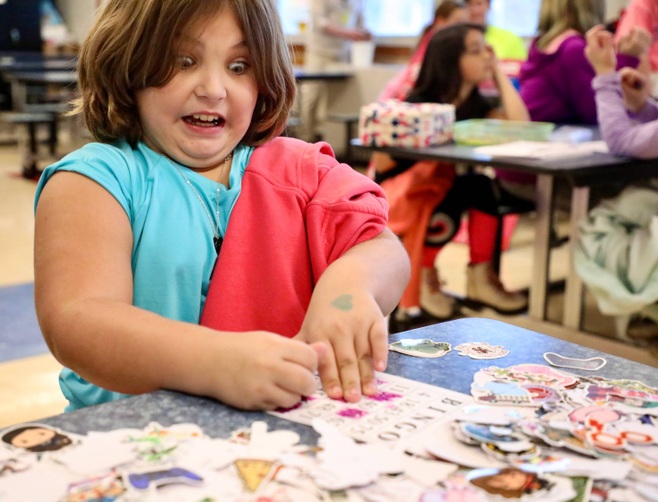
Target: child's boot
x: 483, y: 287
x: 432, y: 299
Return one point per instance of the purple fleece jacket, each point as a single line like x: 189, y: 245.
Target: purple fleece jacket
x: 625, y: 133
x: 557, y: 87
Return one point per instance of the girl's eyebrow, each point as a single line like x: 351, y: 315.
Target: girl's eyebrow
x: 195, y: 41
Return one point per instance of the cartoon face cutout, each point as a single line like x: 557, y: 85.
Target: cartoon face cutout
x: 35, y: 438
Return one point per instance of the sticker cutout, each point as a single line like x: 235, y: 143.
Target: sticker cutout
x: 420, y: 348
x: 481, y: 350
x: 36, y: 438
x: 591, y: 364
x: 175, y: 475
x: 253, y: 471
x: 515, y: 484
x: 104, y: 487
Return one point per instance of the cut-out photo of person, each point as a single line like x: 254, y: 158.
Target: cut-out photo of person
x: 36, y: 438
x: 511, y: 483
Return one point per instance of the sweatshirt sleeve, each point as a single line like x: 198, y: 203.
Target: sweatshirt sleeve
x: 625, y: 135
x: 347, y: 208
x: 580, y: 75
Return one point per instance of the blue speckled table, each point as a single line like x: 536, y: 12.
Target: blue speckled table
x: 451, y: 371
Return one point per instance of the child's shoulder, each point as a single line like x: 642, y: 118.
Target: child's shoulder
x: 575, y: 43
x: 308, y: 169
x: 117, y: 152
x: 116, y: 161
x: 290, y: 159
x: 292, y: 150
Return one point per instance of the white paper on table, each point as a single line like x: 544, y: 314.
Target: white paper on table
x: 543, y: 149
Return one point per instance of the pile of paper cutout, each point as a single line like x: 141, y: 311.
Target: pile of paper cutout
x: 529, y: 432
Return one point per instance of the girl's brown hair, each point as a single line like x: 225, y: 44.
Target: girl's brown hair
x: 131, y: 46
x: 558, y: 16
x: 443, y: 11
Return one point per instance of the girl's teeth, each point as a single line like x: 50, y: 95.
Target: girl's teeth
x: 205, y: 118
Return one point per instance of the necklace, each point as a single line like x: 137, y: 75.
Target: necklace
x: 217, y: 239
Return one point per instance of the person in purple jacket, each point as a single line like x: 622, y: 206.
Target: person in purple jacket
x: 628, y: 117
x: 556, y: 78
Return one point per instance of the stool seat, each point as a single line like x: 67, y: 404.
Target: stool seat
x: 31, y: 119
x: 26, y: 117
x: 350, y: 120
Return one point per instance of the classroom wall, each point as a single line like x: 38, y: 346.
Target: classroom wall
x: 77, y: 15
x: 613, y: 7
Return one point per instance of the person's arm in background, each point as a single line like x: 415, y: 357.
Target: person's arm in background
x: 627, y: 118
x: 635, y: 16
x: 579, y: 83
x: 512, y: 106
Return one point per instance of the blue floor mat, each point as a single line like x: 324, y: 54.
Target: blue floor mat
x: 20, y: 335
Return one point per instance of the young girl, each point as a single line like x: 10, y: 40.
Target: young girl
x: 617, y: 252
x: 426, y: 199
x: 186, y: 98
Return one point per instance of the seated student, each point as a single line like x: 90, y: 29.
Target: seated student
x: 556, y: 79
x: 129, y: 229
x: 617, y: 252
x: 427, y: 198
x: 447, y: 13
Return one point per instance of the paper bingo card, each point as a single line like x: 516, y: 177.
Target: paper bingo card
x: 401, y: 408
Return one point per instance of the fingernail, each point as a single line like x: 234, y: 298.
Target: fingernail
x: 335, y: 391
x: 353, y: 393
x: 371, y: 389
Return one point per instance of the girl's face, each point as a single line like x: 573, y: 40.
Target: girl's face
x: 203, y: 112
x: 476, y: 61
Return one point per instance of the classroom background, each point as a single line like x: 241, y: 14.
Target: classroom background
x: 28, y: 373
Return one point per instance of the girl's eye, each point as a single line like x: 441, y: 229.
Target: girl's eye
x: 239, y: 67
x: 184, y: 61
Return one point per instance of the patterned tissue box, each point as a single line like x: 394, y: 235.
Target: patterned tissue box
x: 398, y: 123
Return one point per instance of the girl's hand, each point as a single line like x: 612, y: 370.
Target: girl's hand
x: 354, y: 329
x: 634, y: 88
x: 259, y: 370
x: 635, y: 43
x: 600, y: 50
x: 494, y: 67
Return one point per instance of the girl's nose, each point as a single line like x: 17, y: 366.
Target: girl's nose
x: 211, y: 86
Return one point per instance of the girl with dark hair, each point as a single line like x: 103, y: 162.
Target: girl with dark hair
x: 427, y: 199
x: 446, y: 14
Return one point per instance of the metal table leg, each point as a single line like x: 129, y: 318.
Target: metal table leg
x: 573, y: 297
x: 541, y: 261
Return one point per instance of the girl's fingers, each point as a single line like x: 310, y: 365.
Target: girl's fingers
x: 348, y: 369
x: 379, y: 345
x: 302, y: 354
x: 329, y: 374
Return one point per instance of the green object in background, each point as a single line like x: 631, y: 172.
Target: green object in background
x: 479, y: 132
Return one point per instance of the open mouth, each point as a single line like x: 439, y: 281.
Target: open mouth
x: 204, y: 120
